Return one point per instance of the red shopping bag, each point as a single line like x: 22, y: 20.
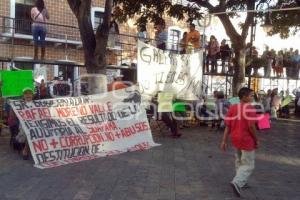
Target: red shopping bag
x: 264, y: 121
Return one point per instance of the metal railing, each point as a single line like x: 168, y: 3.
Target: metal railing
x: 64, y: 43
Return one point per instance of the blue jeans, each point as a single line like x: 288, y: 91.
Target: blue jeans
x: 39, y: 35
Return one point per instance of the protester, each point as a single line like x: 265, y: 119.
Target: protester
x: 43, y: 90
x: 275, y: 103
x: 21, y: 136
x: 13, y: 124
x: 117, y: 84
x: 295, y: 60
x: 113, y: 37
x: 296, y: 92
x: 256, y: 61
x: 211, y: 105
x: 258, y: 102
x: 222, y: 106
x: 166, y: 117
x: 213, y: 50
x: 242, y: 130
x: 267, y: 102
x: 142, y: 34
x: 278, y: 67
x: 193, y: 37
x: 225, y: 53
x: 39, y: 16
x: 183, y: 44
x: 285, y: 109
x: 267, y: 55
x: 161, y: 36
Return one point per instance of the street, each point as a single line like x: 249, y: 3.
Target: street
x: 189, y: 168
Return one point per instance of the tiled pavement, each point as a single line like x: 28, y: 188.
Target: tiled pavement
x: 189, y: 168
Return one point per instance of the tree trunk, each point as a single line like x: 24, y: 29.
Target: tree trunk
x: 94, y: 46
x: 239, y: 68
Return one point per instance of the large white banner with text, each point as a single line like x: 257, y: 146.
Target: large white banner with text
x: 180, y: 74
x: 67, y: 130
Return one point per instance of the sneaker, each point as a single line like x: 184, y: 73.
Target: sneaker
x: 236, y: 189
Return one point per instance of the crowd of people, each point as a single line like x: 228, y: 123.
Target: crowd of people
x: 273, y: 63
x: 221, y: 54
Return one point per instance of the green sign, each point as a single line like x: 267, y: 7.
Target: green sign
x: 13, y: 82
x: 287, y: 100
x: 179, y: 106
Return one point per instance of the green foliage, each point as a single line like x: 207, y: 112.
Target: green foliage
x: 154, y: 10
x: 286, y: 23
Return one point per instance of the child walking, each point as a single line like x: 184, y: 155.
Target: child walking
x: 241, y: 126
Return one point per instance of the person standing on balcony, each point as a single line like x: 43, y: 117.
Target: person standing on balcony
x: 39, y: 16
x: 161, y: 36
x: 213, y: 50
x: 183, y: 44
x: 113, y: 32
x: 142, y: 34
x: 193, y: 37
x: 225, y: 53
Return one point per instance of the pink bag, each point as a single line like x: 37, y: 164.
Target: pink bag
x: 264, y: 121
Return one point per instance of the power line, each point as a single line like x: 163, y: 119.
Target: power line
x: 256, y: 11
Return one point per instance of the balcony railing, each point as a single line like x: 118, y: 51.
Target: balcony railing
x: 64, y: 41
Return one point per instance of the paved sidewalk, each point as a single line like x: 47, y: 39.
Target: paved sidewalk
x: 189, y: 168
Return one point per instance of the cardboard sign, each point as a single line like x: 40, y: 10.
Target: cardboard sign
x: 165, y: 102
x: 68, y: 130
x: 287, y: 100
x: 13, y: 82
x: 165, y: 71
x: 264, y: 121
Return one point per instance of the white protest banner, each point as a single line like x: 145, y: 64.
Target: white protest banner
x: 180, y: 74
x: 68, y: 130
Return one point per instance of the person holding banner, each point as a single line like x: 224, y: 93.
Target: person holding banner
x: 164, y: 103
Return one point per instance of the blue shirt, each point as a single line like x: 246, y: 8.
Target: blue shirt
x: 161, y: 38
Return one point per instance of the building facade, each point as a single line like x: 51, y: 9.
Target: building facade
x: 63, y: 43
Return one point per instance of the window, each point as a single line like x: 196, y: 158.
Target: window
x: 174, y: 39
x: 23, y: 65
x: 97, y: 17
x: 22, y: 16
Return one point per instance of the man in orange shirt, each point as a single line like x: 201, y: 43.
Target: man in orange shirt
x: 193, y: 37
x: 117, y: 84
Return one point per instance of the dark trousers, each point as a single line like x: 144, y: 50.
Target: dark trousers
x: 170, y: 122
x: 212, y: 60
x: 297, y: 108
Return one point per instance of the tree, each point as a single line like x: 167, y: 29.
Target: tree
x: 94, y: 44
x: 285, y: 23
